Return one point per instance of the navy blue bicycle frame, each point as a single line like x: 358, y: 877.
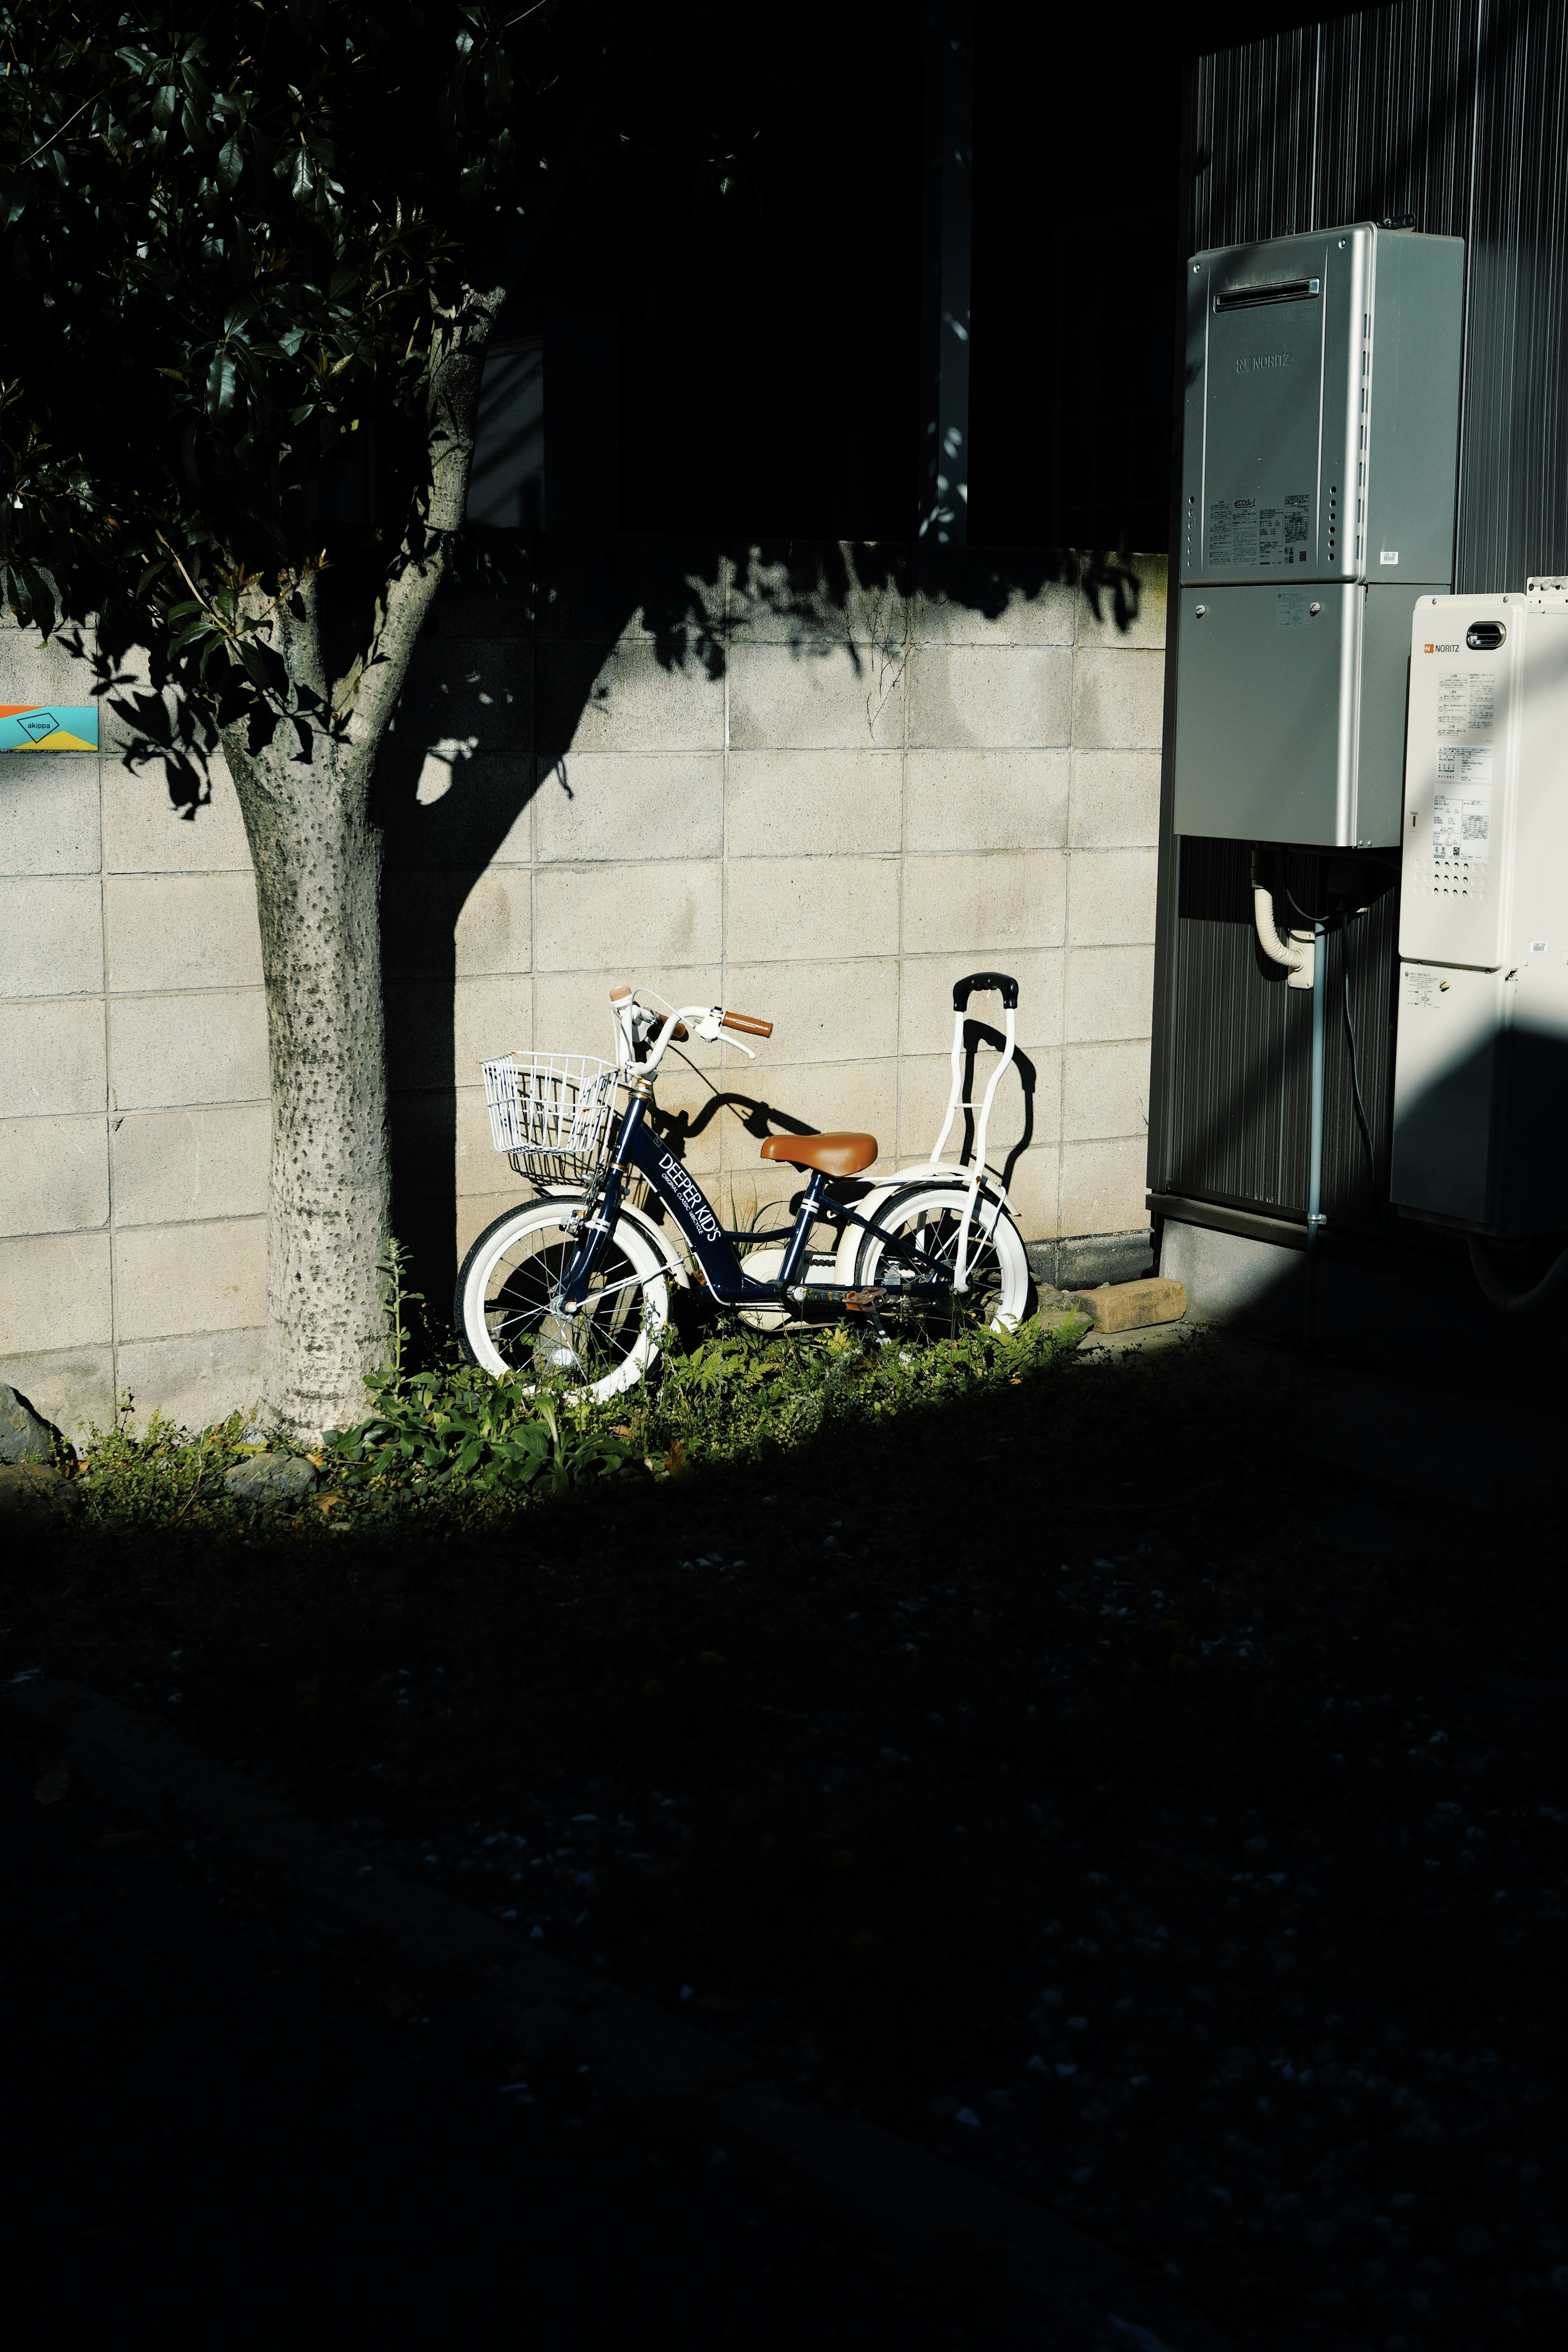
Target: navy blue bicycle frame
x: 636, y: 1148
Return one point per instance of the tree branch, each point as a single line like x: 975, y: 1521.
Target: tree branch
x: 367, y: 697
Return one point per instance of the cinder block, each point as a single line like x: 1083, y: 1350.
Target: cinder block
x: 1025, y: 1114
x: 986, y: 799
x: 48, y: 813
x: 655, y: 919
x: 422, y: 1130
x: 816, y: 593
x: 1103, y: 1186
x: 1105, y: 1091
x: 1136, y: 1306
x: 166, y: 1051
x: 624, y: 697
x: 475, y: 1157
x: 1115, y: 800
x: 51, y: 936
x: 690, y: 1116
x: 72, y: 1387
x: 1128, y: 610
x: 478, y: 692
x: 55, y: 1292
x: 572, y: 1009
x: 150, y: 722
x: 1034, y: 1194
x: 601, y: 586
x: 1119, y: 700
x: 173, y: 1279
x: 628, y: 805
x: 498, y: 594
x: 494, y: 926
x: 182, y: 931
x: 53, y: 1055
x: 155, y: 824
x: 978, y: 596
x: 760, y: 1198
x: 451, y: 807
x: 817, y: 695
x: 1084, y: 1260
x: 1109, y: 995
x: 476, y: 1211
x: 925, y: 1020
x: 34, y: 668
x: 985, y: 906
x: 781, y: 907
x: 438, y: 1033
x: 813, y: 804
x: 54, y: 1175
x: 823, y: 1097
x: 820, y: 1011
x: 449, y: 922
x: 1110, y: 898
x: 196, y: 1379
x: 174, y: 1164
x: 1002, y: 697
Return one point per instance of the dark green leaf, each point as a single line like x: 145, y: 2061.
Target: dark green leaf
x: 220, y: 386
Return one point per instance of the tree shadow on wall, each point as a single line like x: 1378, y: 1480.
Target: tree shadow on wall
x: 513, y: 681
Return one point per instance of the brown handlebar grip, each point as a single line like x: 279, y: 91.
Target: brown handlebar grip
x: 747, y: 1023
x: 680, y: 1033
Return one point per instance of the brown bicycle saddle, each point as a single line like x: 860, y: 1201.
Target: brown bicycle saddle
x: 836, y: 1155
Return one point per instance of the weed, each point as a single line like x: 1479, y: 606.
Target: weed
x: 452, y: 1442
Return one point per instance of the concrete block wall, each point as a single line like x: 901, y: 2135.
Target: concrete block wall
x: 818, y: 806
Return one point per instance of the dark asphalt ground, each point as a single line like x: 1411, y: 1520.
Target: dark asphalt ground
x: 226, y: 2123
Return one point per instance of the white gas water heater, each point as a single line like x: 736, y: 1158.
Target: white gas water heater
x: 1481, y: 1115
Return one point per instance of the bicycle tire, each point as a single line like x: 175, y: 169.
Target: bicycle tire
x: 502, y: 1311
x: 997, y: 1261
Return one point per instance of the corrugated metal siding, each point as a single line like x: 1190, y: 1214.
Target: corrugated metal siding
x: 1241, y: 1067
x: 1456, y: 111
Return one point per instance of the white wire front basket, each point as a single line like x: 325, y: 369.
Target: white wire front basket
x: 550, y: 1113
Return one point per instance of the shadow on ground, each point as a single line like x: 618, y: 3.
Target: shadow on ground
x: 1080, y: 1780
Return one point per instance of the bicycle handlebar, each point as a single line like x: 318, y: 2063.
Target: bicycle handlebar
x: 747, y: 1024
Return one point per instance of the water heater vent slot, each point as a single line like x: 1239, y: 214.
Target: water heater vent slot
x: 1252, y: 298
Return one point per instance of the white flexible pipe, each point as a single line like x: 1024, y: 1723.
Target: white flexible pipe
x: 1295, y: 955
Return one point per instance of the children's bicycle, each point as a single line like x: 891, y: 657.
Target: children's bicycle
x: 577, y: 1284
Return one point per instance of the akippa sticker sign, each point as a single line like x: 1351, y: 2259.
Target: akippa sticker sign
x: 49, y: 726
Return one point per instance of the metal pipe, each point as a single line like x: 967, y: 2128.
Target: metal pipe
x: 1315, y: 1218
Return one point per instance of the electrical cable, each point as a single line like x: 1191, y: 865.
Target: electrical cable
x: 1362, y: 1118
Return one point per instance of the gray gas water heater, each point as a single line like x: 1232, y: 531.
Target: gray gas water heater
x: 1319, y: 464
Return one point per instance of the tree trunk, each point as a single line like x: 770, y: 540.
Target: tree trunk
x: 304, y: 796
x: 318, y: 889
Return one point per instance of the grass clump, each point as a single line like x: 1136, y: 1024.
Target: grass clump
x: 451, y: 1442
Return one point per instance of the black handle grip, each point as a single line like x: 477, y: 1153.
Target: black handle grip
x: 1007, y: 989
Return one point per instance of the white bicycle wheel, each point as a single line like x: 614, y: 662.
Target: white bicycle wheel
x: 927, y: 1218
x: 507, y: 1311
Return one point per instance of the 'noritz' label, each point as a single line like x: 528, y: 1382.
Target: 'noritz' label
x: 1259, y: 535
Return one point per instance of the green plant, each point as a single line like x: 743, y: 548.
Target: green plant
x: 391, y: 1265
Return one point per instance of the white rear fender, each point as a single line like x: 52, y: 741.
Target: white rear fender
x: 992, y: 1199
